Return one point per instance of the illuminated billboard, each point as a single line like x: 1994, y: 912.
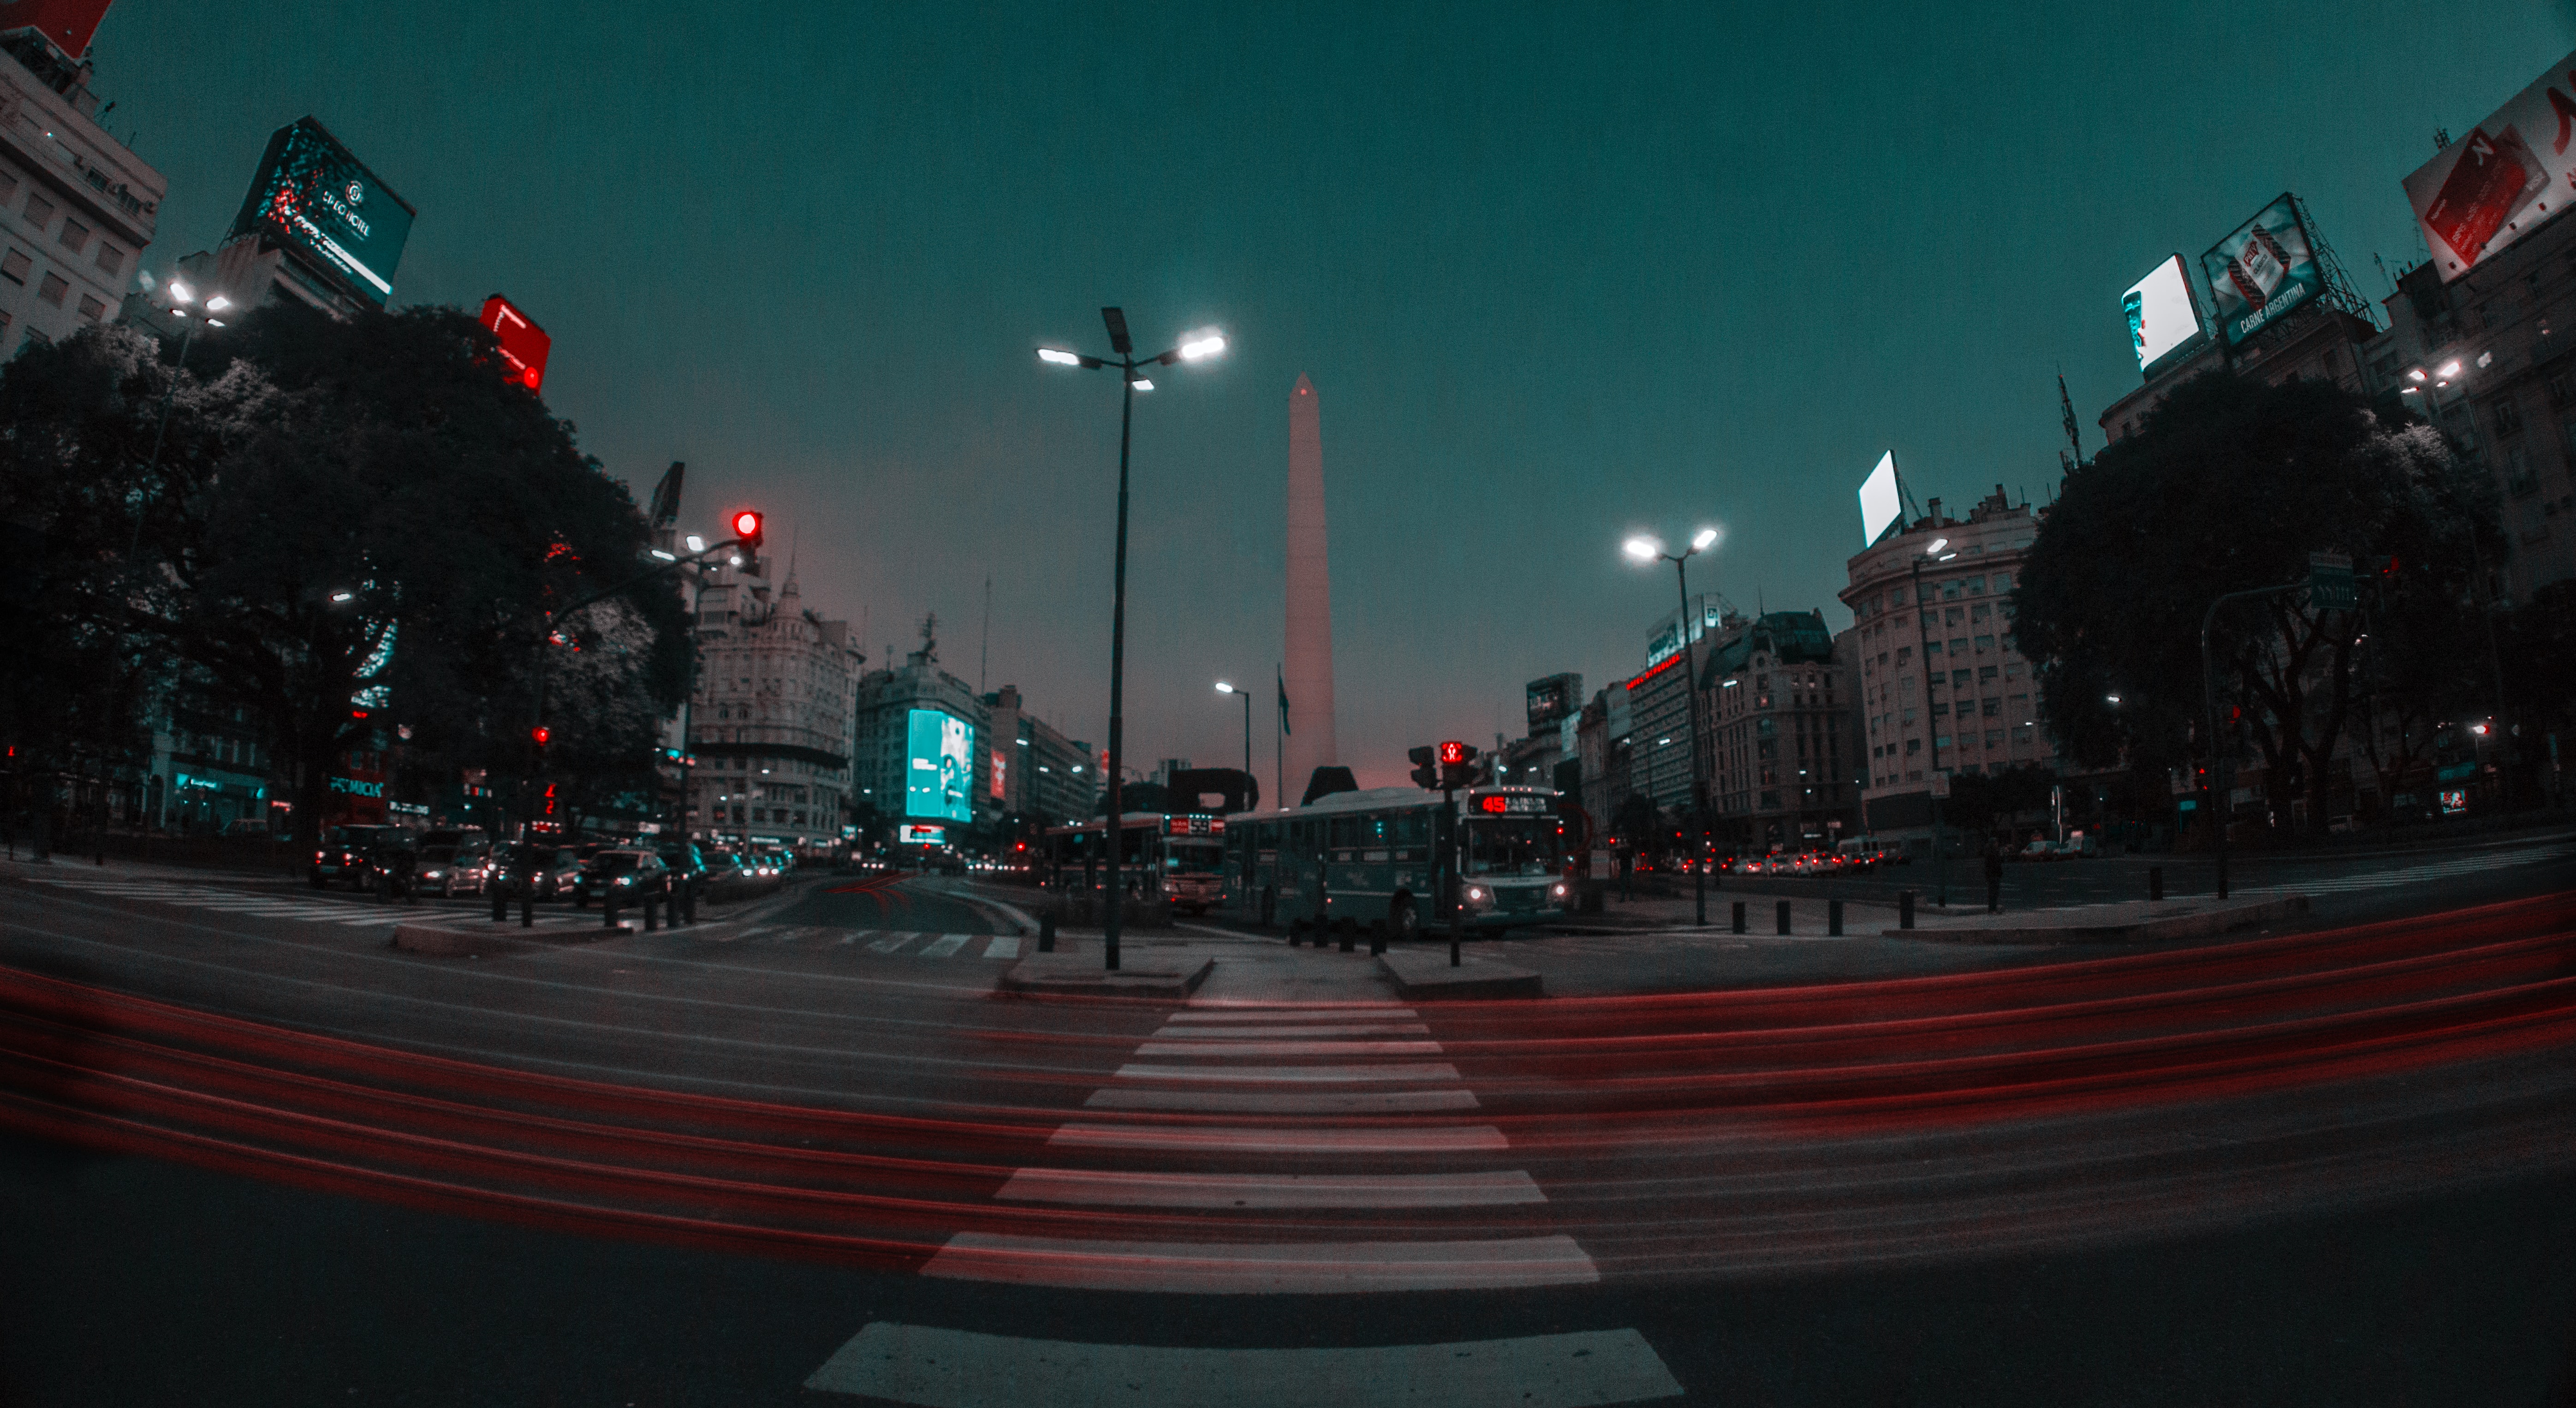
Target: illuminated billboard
x: 1553, y: 698
x: 2163, y: 314
x: 523, y: 344
x: 69, y: 23
x: 2493, y: 186
x: 911, y: 835
x: 1879, y: 505
x: 2263, y: 270
x: 940, y: 766
x: 312, y: 195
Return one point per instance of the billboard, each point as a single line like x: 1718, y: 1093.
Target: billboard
x: 523, y: 344
x: 311, y: 194
x: 1879, y: 505
x: 911, y: 835
x: 2511, y: 173
x: 69, y: 23
x: 1553, y: 698
x: 2263, y: 270
x: 1710, y: 611
x: 2163, y: 314
x: 940, y: 766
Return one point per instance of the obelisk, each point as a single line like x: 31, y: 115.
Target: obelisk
x: 1309, y: 665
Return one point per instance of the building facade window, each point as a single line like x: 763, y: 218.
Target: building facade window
x: 52, y: 289
x: 40, y: 211
x: 111, y: 260
x: 91, y: 308
x: 14, y: 266
x: 75, y: 236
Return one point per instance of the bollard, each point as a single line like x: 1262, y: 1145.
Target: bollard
x: 608, y: 906
x: 1377, y: 937
x: 528, y: 905
x: 500, y: 901
x: 1739, y: 916
x: 1455, y: 929
x: 1350, y: 934
x: 1296, y: 931
x: 1905, y: 909
x: 1834, y: 918
x: 648, y: 914
x: 2155, y: 882
x: 1046, y: 933
x: 1784, y: 916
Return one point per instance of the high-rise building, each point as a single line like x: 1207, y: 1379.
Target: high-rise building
x: 1941, y: 687
x: 77, y: 209
x: 770, y: 721
x: 904, y: 764
x: 1309, y: 665
x: 1047, y: 779
x: 1777, y: 695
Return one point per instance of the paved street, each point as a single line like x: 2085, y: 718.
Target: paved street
x: 803, y: 1154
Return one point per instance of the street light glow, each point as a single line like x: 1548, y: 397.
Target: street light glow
x: 218, y: 303
x: 1223, y: 688
x: 696, y: 543
x: 1059, y: 356
x: 1142, y: 384
x: 1937, y: 545
x: 2450, y: 368
x: 1201, y: 345
x: 1706, y: 537
x: 2415, y: 374
x: 181, y: 293
x: 665, y: 556
x: 1642, y: 548
x: 344, y: 596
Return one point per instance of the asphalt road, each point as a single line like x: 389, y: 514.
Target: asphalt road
x: 2406, y: 1237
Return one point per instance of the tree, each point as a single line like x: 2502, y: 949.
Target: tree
x: 2227, y: 486
x: 352, y: 524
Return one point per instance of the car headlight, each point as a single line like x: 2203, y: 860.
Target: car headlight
x: 1560, y: 892
x: 432, y: 874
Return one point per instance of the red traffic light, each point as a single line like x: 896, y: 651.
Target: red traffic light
x: 1452, y: 754
x: 540, y: 734
x: 746, y: 526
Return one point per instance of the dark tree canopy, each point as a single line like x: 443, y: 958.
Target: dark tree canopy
x: 2228, y: 485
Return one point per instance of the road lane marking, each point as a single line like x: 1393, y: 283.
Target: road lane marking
x: 1258, y: 1033
x: 937, y: 1368
x: 1244, y: 1045
x: 1102, y: 1188
x: 1265, y: 1139
x: 945, y: 945
x: 1411, y: 1070
x: 1283, y: 1102
x: 1003, y: 946
x: 890, y: 943
x: 1265, y: 1268
x: 1319, y: 1011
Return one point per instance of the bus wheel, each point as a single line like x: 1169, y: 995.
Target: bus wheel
x: 1403, y: 924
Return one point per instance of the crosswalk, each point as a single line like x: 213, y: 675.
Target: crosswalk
x: 313, y: 909
x: 889, y: 943
x: 1282, y: 1099
x: 2476, y: 864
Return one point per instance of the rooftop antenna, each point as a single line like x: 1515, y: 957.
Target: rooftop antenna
x: 2383, y: 271
x: 2339, y: 290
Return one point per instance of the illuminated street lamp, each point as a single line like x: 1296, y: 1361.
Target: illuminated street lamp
x: 1246, y: 696
x: 180, y: 296
x: 1194, y: 347
x: 1644, y: 549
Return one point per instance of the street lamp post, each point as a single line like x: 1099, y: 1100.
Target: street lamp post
x: 1923, y: 637
x: 1194, y: 347
x: 1645, y: 549
x: 180, y: 296
x: 1245, y: 695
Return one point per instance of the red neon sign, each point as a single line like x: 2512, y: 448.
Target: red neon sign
x: 1669, y: 662
x: 524, y: 345
x: 1496, y: 804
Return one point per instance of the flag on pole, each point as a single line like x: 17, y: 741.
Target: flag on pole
x: 1283, y: 705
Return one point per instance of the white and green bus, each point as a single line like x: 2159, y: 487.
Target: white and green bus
x: 1402, y: 854
x: 1175, y: 857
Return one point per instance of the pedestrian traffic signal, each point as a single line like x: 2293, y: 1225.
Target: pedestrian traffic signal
x: 1425, y: 771
x: 746, y: 526
x: 1457, y: 764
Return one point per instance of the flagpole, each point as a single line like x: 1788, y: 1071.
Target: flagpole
x: 1279, y: 741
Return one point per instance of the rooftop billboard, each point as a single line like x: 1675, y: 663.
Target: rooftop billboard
x: 2263, y: 270
x: 940, y: 766
x: 524, y: 345
x: 1879, y: 502
x: 68, y: 23
x: 2163, y: 314
x: 2508, y: 175
x: 1553, y: 698
x: 311, y: 194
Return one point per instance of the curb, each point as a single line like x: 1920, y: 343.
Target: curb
x: 1074, y: 975
x: 1428, y: 977
x: 2178, y: 926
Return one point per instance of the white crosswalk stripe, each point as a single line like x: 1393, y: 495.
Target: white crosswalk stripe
x: 218, y: 900
x: 1003, y: 946
x: 890, y: 943
x: 944, y: 945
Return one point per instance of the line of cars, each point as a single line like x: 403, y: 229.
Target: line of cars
x: 465, y: 861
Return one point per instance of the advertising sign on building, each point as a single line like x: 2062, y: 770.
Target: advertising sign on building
x: 939, y: 767
x: 1880, y: 504
x: 2163, y: 314
x: 523, y: 344
x: 1551, y: 699
x: 313, y: 196
x: 69, y: 23
x: 2507, y: 176
x: 2263, y: 270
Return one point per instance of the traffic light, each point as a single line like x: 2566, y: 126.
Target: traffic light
x: 1425, y: 772
x: 540, y: 736
x: 1457, y: 764
x: 746, y: 526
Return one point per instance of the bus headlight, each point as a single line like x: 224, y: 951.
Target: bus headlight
x: 1479, y: 898
x: 1560, y: 892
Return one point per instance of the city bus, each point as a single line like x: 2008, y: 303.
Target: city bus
x: 1179, y: 857
x: 1394, y: 852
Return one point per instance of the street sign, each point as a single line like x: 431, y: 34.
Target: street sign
x: 2330, y: 582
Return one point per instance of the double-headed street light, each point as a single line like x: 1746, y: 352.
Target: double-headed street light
x: 1923, y: 639
x: 180, y: 296
x: 1246, y: 696
x: 1194, y: 347
x: 1643, y: 549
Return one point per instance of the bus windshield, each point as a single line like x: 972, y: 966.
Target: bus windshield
x: 1193, y: 857
x: 1518, y: 845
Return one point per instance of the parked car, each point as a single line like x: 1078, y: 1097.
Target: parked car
x: 634, y: 875
x: 348, y: 855
x: 549, y: 870
x: 687, y: 866
x: 721, y: 864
